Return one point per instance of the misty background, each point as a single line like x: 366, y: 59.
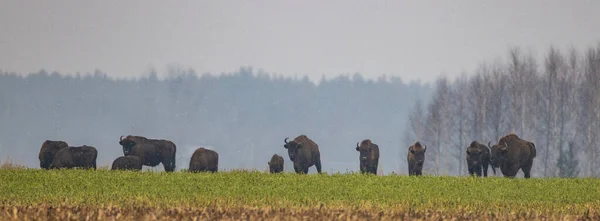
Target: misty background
x: 239, y: 77
x: 244, y: 115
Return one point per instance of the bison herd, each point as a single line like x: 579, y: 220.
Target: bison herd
x: 510, y: 154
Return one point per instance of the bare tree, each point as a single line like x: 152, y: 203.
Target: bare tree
x: 589, y: 104
x: 477, y: 102
x: 436, y: 132
x: 459, y: 119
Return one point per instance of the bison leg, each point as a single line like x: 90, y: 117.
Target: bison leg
x: 317, y: 165
x: 485, y: 169
x: 169, y: 164
x: 526, y: 171
x: 297, y: 168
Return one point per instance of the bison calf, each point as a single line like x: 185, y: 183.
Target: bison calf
x: 204, y: 160
x: 276, y: 164
x: 71, y: 157
x: 127, y: 163
x: 369, y: 156
x: 416, y: 158
x: 478, y: 159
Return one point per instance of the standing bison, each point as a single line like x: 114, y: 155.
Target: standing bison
x: 127, y: 163
x: 150, y: 151
x: 478, y: 159
x: 513, y: 153
x: 48, y: 151
x: 415, y: 158
x: 369, y: 156
x: 204, y: 160
x: 71, y: 157
x: 304, y: 153
x: 276, y: 164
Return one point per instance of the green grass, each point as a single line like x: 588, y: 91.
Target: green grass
x: 23, y: 187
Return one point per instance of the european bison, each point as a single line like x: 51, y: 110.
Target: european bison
x: 276, y: 164
x: 369, y: 156
x: 478, y: 159
x: 415, y: 158
x: 71, y: 157
x: 150, y: 151
x: 204, y: 160
x: 48, y: 150
x: 513, y: 153
x: 304, y: 153
x: 127, y: 163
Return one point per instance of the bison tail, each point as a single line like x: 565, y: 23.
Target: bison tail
x: 532, y: 150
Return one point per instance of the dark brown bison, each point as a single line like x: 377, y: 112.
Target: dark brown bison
x: 276, y: 164
x: 127, y: 163
x: 304, y: 153
x: 150, y: 151
x: 478, y: 159
x: 511, y: 154
x: 369, y: 156
x: 204, y: 160
x: 71, y: 157
x: 48, y: 150
x: 416, y: 158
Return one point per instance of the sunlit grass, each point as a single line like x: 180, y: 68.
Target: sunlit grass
x: 255, y: 189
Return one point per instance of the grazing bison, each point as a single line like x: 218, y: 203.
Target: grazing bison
x: 127, y: 163
x: 478, y: 159
x: 150, y: 151
x: 48, y: 150
x: 513, y: 153
x: 369, y: 156
x: 276, y: 164
x: 304, y: 153
x: 415, y: 158
x: 71, y: 157
x: 204, y: 160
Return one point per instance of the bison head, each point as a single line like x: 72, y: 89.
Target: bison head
x: 364, y: 149
x: 128, y: 143
x: 498, y: 155
x: 418, y: 153
x: 474, y: 154
x: 48, y: 150
x: 292, y: 148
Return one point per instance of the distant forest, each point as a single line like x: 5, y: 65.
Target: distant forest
x: 553, y: 101
x: 244, y: 116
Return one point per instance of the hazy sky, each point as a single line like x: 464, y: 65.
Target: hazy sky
x: 412, y: 39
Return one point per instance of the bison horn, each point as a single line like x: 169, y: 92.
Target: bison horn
x: 285, y: 140
x: 505, y: 144
x: 121, y: 138
x: 489, y: 144
x: 357, y: 144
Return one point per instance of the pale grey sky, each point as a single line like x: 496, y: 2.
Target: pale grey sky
x: 412, y: 39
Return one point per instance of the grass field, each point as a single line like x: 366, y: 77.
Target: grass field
x: 235, y: 195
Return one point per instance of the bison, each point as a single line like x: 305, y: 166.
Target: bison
x: 304, y: 153
x: 415, y: 158
x: 511, y: 154
x: 150, y: 151
x: 204, y: 160
x: 369, y: 156
x: 276, y: 164
x: 71, y: 157
x: 48, y: 150
x: 478, y: 159
x: 127, y: 163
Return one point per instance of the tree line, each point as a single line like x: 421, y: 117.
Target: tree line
x: 245, y: 115
x: 554, y: 101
